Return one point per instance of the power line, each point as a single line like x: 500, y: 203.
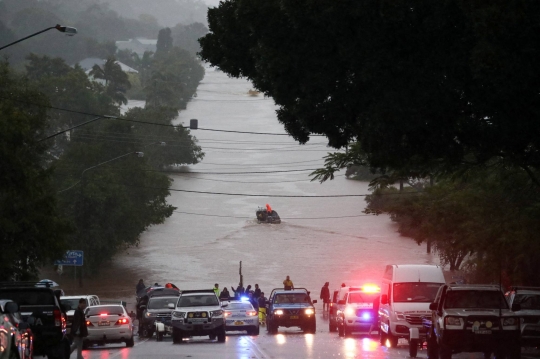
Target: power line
x: 295, y: 218
x: 144, y: 122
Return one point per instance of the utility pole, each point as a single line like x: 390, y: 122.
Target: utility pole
x: 241, y: 276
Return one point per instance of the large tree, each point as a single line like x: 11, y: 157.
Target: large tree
x: 420, y: 84
x: 32, y: 232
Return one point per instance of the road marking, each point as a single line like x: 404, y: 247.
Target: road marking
x: 122, y: 349
x: 257, y: 348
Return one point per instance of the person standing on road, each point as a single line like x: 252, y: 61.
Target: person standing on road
x: 224, y: 295
x: 325, y: 296
x: 216, y: 289
x: 288, y: 284
x: 140, y: 286
x: 257, y: 292
x: 78, y: 328
x: 254, y: 302
x: 262, y: 308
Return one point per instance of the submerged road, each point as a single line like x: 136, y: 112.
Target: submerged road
x: 288, y: 343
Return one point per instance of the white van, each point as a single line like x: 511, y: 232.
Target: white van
x: 407, y: 290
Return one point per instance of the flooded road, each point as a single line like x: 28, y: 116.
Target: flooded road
x: 208, y: 235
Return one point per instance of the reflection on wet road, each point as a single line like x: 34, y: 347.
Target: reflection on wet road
x: 288, y: 343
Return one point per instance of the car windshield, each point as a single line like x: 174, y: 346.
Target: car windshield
x: 29, y: 297
x: 73, y: 303
x: 109, y: 309
x: 161, y: 303
x: 369, y: 299
x: 198, y: 300
x: 419, y: 292
x: 239, y: 306
x: 485, y: 299
x: 528, y: 301
x: 292, y: 298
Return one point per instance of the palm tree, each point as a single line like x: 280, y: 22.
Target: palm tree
x: 116, y: 80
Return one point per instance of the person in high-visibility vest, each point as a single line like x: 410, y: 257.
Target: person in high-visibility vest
x: 262, y: 309
x: 216, y: 289
x: 288, y: 284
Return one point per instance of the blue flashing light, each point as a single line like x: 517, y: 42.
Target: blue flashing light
x: 244, y: 299
x: 366, y: 316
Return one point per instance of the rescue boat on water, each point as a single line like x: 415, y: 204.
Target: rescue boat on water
x: 267, y: 215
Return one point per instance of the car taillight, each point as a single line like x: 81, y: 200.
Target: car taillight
x: 89, y: 323
x: 251, y: 313
x: 227, y: 314
x: 122, y: 321
x: 57, y: 317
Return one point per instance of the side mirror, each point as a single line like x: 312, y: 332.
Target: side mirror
x: 170, y: 306
x: 315, y: 301
x: 223, y: 305
x: 144, y: 306
x: 433, y: 306
x: 11, y: 307
x: 341, y: 302
x: 384, y: 299
x: 516, y: 307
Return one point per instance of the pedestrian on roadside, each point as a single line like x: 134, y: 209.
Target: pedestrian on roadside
x: 254, y: 302
x: 325, y: 296
x: 257, y: 292
x: 224, y: 295
x: 288, y: 284
x: 262, y: 309
x: 140, y: 286
x: 216, y: 289
x: 78, y: 328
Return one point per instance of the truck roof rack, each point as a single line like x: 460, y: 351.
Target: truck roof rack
x: 522, y: 287
x: 26, y: 284
x: 475, y: 285
x: 197, y: 291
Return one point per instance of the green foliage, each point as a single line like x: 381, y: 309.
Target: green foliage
x: 136, y: 92
x: 32, y: 233
x: 432, y: 86
x: 486, y: 222
x: 116, y: 80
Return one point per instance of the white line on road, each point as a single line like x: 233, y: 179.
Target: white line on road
x: 121, y: 350
x: 258, y: 348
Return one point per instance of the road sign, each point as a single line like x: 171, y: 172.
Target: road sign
x: 72, y: 258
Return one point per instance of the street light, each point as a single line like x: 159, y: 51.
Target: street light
x: 69, y: 31
x: 139, y: 154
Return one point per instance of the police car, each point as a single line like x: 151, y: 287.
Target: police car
x: 359, y: 311
x: 240, y: 315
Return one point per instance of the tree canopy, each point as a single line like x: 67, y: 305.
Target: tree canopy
x: 424, y: 85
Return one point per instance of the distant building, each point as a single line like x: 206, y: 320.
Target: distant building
x: 138, y: 45
x: 88, y: 63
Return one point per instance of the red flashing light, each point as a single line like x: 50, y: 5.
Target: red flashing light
x: 251, y: 313
x: 371, y: 288
x: 227, y: 314
x: 57, y: 317
x: 103, y: 314
x: 89, y: 323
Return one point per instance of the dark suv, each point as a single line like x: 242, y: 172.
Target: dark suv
x: 39, y: 307
x: 290, y: 308
x: 472, y: 318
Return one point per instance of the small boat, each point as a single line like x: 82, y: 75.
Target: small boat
x: 267, y: 215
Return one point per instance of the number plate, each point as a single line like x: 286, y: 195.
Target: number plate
x: 294, y: 317
x: 238, y: 322
x: 104, y: 324
x: 482, y: 331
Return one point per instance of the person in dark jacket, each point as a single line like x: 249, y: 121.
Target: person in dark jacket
x: 325, y: 296
x: 140, y: 286
x: 254, y: 302
x: 257, y: 292
x: 238, y: 291
x: 78, y: 328
x: 262, y: 308
x: 224, y: 295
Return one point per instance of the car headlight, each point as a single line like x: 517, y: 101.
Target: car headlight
x: 278, y: 312
x: 349, y: 311
x: 216, y: 313
x: 148, y: 315
x: 400, y: 316
x: 179, y: 314
x: 510, y: 322
x: 454, y: 321
x: 309, y: 311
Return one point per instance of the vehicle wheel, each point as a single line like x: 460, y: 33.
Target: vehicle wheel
x: 382, y: 337
x: 254, y: 331
x: 130, y: 343
x: 159, y: 337
x: 341, y: 332
x: 145, y: 332
x: 346, y: 331
x: 432, y: 348
x: 444, y: 352
x: 413, y: 348
x: 392, y: 339
x: 212, y: 337
x: 331, y: 328
x: 221, y: 337
x: 272, y: 329
x: 176, y: 336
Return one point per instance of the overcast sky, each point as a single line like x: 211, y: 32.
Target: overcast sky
x: 212, y: 2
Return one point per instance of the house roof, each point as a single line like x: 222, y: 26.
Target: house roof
x: 89, y: 62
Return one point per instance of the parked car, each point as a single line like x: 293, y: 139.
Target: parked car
x: 291, y: 308
x: 108, y: 324
x: 70, y: 303
x: 16, y: 340
x: 528, y: 299
x: 240, y: 315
